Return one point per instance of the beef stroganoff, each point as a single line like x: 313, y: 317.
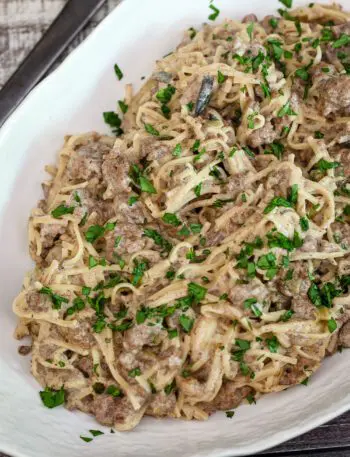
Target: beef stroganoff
x: 199, y: 257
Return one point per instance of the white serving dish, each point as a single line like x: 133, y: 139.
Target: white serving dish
x: 71, y: 100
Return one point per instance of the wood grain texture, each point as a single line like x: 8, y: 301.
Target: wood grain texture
x: 22, y: 23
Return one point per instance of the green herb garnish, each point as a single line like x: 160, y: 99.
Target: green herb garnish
x: 113, y: 120
x: 158, y: 239
x: 151, y: 130
x: 186, y: 323
x: 221, y: 77
x: 52, y: 398
x: 286, y: 110
x: 215, y: 13
x: 61, y: 210
x: 172, y: 219
x: 123, y: 106
x: 118, y: 72
x: 56, y: 299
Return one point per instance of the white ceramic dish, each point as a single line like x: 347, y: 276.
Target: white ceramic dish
x: 72, y: 100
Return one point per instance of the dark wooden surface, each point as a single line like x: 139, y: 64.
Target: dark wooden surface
x: 331, y: 439
x: 22, y: 23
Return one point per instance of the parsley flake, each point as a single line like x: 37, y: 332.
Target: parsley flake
x: 250, y: 29
x: 151, y: 130
x: 286, y: 110
x: 215, y: 13
x: 52, y: 398
x: 332, y: 325
x: 61, y: 210
x: 118, y: 72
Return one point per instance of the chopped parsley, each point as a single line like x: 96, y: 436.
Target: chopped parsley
x: 113, y: 120
x: 243, y: 347
x: 302, y: 73
x: 273, y: 22
x: 287, y: 315
x: 113, y: 390
x: 197, y: 189
x: 190, y: 106
x: 251, y: 119
x: 242, y: 344
x: 61, y: 210
x: 324, y: 165
x: 268, y: 262
x: 250, y: 303
x: 151, y: 130
x: 158, y: 239
x: 146, y: 185
x: 250, y: 30
x: 78, y: 305
x: 196, y: 291
x: 192, y: 32
x: 304, y: 223
x: 318, y: 135
x: 293, y: 194
x: 96, y: 231
x: 332, y: 325
x: 342, y: 41
x: 86, y: 438
x: 246, y: 371
x: 221, y: 77
x: 170, y: 387
x: 275, y: 202
x: 135, y: 372
x: 287, y: 3
x: 323, y: 295
x: 92, y: 262
x: 275, y: 149
x: 251, y: 399
x: 172, y: 219
x: 214, y: 14
x: 96, y: 432
x: 297, y: 47
x: 230, y: 414
x: 118, y: 72
x: 249, y: 152
x: 123, y: 106
x: 185, y: 231
x: 196, y: 228
x: 141, y: 180
x: 52, y: 398
x: 164, y: 95
x: 56, y: 299
x: 272, y: 344
x: 177, y: 150
x: 186, y: 323
x: 266, y: 90
x: 286, y: 110
x: 86, y: 290
x: 139, y: 269
x: 172, y: 333
x: 132, y: 200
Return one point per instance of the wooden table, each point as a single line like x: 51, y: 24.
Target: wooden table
x: 22, y: 22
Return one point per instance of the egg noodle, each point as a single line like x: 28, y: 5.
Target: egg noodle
x: 201, y: 258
